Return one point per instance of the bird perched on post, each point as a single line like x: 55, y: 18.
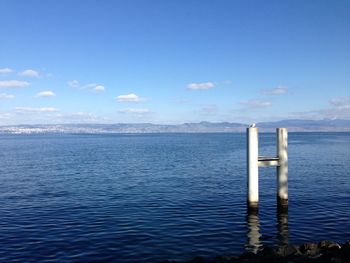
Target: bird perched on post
x: 252, y: 126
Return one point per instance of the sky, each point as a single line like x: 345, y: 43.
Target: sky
x: 168, y: 62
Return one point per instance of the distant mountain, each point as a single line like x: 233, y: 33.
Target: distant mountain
x: 201, y: 127
x: 308, y: 125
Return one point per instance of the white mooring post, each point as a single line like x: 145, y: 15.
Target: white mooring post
x: 282, y: 168
x: 252, y: 167
x: 254, y: 161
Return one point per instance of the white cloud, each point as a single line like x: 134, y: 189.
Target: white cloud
x: 73, y: 84
x: 256, y: 104
x: 134, y: 111
x: 83, y: 117
x: 5, y: 116
x: 13, y: 84
x: 200, y: 86
x: 5, y: 70
x: 276, y: 91
x: 128, y: 98
x: 342, y: 103
x: 36, y: 110
x: 81, y: 114
x: 91, y: 86
x: 339, y: 109
x: 46, y: 93
x: 6, y: 96
x: 29, y: 73
x: 99, y: 88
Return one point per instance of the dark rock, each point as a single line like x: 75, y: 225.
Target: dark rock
x: 323, y: 252
x: 336, y: 260
x: 326, y: 244
x: 345, y: 252
x: 249, y: 257
x: 329, y: 251
x: 310, y: 249
x: 249, y: 260
x: 268, y: 252
x: 346, y: 244
x: 287, y: 251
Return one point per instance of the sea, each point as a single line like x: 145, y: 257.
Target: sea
x: 153, y: 197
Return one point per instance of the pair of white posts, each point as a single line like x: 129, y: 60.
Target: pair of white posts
x: 254, y: 161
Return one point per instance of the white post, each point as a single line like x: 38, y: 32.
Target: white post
x: 252, y: 167
x: 282, y: 169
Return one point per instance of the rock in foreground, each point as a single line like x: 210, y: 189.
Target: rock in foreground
x: 324, y: 251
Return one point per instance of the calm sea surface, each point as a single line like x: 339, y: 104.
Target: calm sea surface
x: 146, y: 198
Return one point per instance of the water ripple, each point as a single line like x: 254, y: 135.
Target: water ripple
x: 147, y: 198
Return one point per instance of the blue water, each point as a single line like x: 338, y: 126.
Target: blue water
x: 146, y: 198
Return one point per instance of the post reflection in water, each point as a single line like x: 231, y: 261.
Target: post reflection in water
x: 254, y: 243
x: 253, y: 231
x: 282, y: 225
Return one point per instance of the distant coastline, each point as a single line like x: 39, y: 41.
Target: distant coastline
x: 200, y: 127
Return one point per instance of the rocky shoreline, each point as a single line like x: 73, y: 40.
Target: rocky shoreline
x: 324, y: 251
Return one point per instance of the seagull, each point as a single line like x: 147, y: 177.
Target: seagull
x: 253, y: 125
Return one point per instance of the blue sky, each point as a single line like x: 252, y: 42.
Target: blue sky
x: 173, y: 61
